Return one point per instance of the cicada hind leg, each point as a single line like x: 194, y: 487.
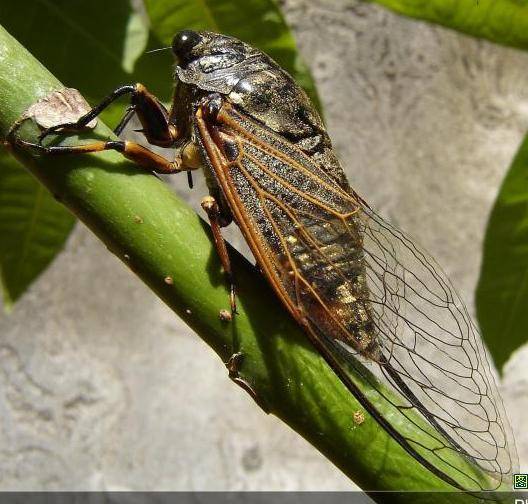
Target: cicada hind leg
x: 214, y: 205
x: 219, y: 215
x: 217, y: 220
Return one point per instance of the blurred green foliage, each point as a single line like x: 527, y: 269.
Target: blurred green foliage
x: 501, y: 21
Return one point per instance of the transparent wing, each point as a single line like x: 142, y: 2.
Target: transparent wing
x: 432, y: 352
x: 377, y: 307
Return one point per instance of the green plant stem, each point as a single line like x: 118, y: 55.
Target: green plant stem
x: 158, y: 236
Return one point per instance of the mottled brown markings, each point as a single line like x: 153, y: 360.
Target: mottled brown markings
x: 292, y: 188
x: 220, y: 170
x: 295, y: 306
x: 231, y: 149
x: 301, y: 230
x: 299, y: 225
x: 225, y: 117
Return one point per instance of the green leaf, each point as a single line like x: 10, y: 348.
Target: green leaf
x: 502, y: 21
x: 135, y: 41
x: 502, y: 292
x: 258, y: 22
x: 33, y: 228
x: 92, y: 49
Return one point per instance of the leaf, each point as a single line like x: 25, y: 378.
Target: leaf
x: 135, y: 41
x: 33, y: 228
x: 501, y: 21
x: 258, y: 22
x: 91, y: 49
x: 502, y: 292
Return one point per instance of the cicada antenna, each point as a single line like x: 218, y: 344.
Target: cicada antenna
x: 157, y: 50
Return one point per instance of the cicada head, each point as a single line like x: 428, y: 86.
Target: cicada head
x: 213, y: 62
x: 252, y: 82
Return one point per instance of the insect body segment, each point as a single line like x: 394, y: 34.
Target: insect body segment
x: 374, y: 304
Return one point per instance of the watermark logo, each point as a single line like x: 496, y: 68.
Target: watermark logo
x: 520, y: 481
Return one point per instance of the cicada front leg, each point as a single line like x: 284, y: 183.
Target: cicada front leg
x: 152, y: 114
x: 156, y: 128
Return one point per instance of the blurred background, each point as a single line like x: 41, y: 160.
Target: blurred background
x: 102, y: 386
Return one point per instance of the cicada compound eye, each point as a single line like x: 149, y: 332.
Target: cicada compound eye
x: 183, y: 43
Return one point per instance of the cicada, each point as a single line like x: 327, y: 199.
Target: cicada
x: 373, y: 302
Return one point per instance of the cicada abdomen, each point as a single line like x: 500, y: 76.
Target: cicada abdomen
x: 374, y: 304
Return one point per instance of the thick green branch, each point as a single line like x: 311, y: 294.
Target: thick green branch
x: 158, y: 236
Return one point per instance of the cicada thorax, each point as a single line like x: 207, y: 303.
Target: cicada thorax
x: 292, y: 211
